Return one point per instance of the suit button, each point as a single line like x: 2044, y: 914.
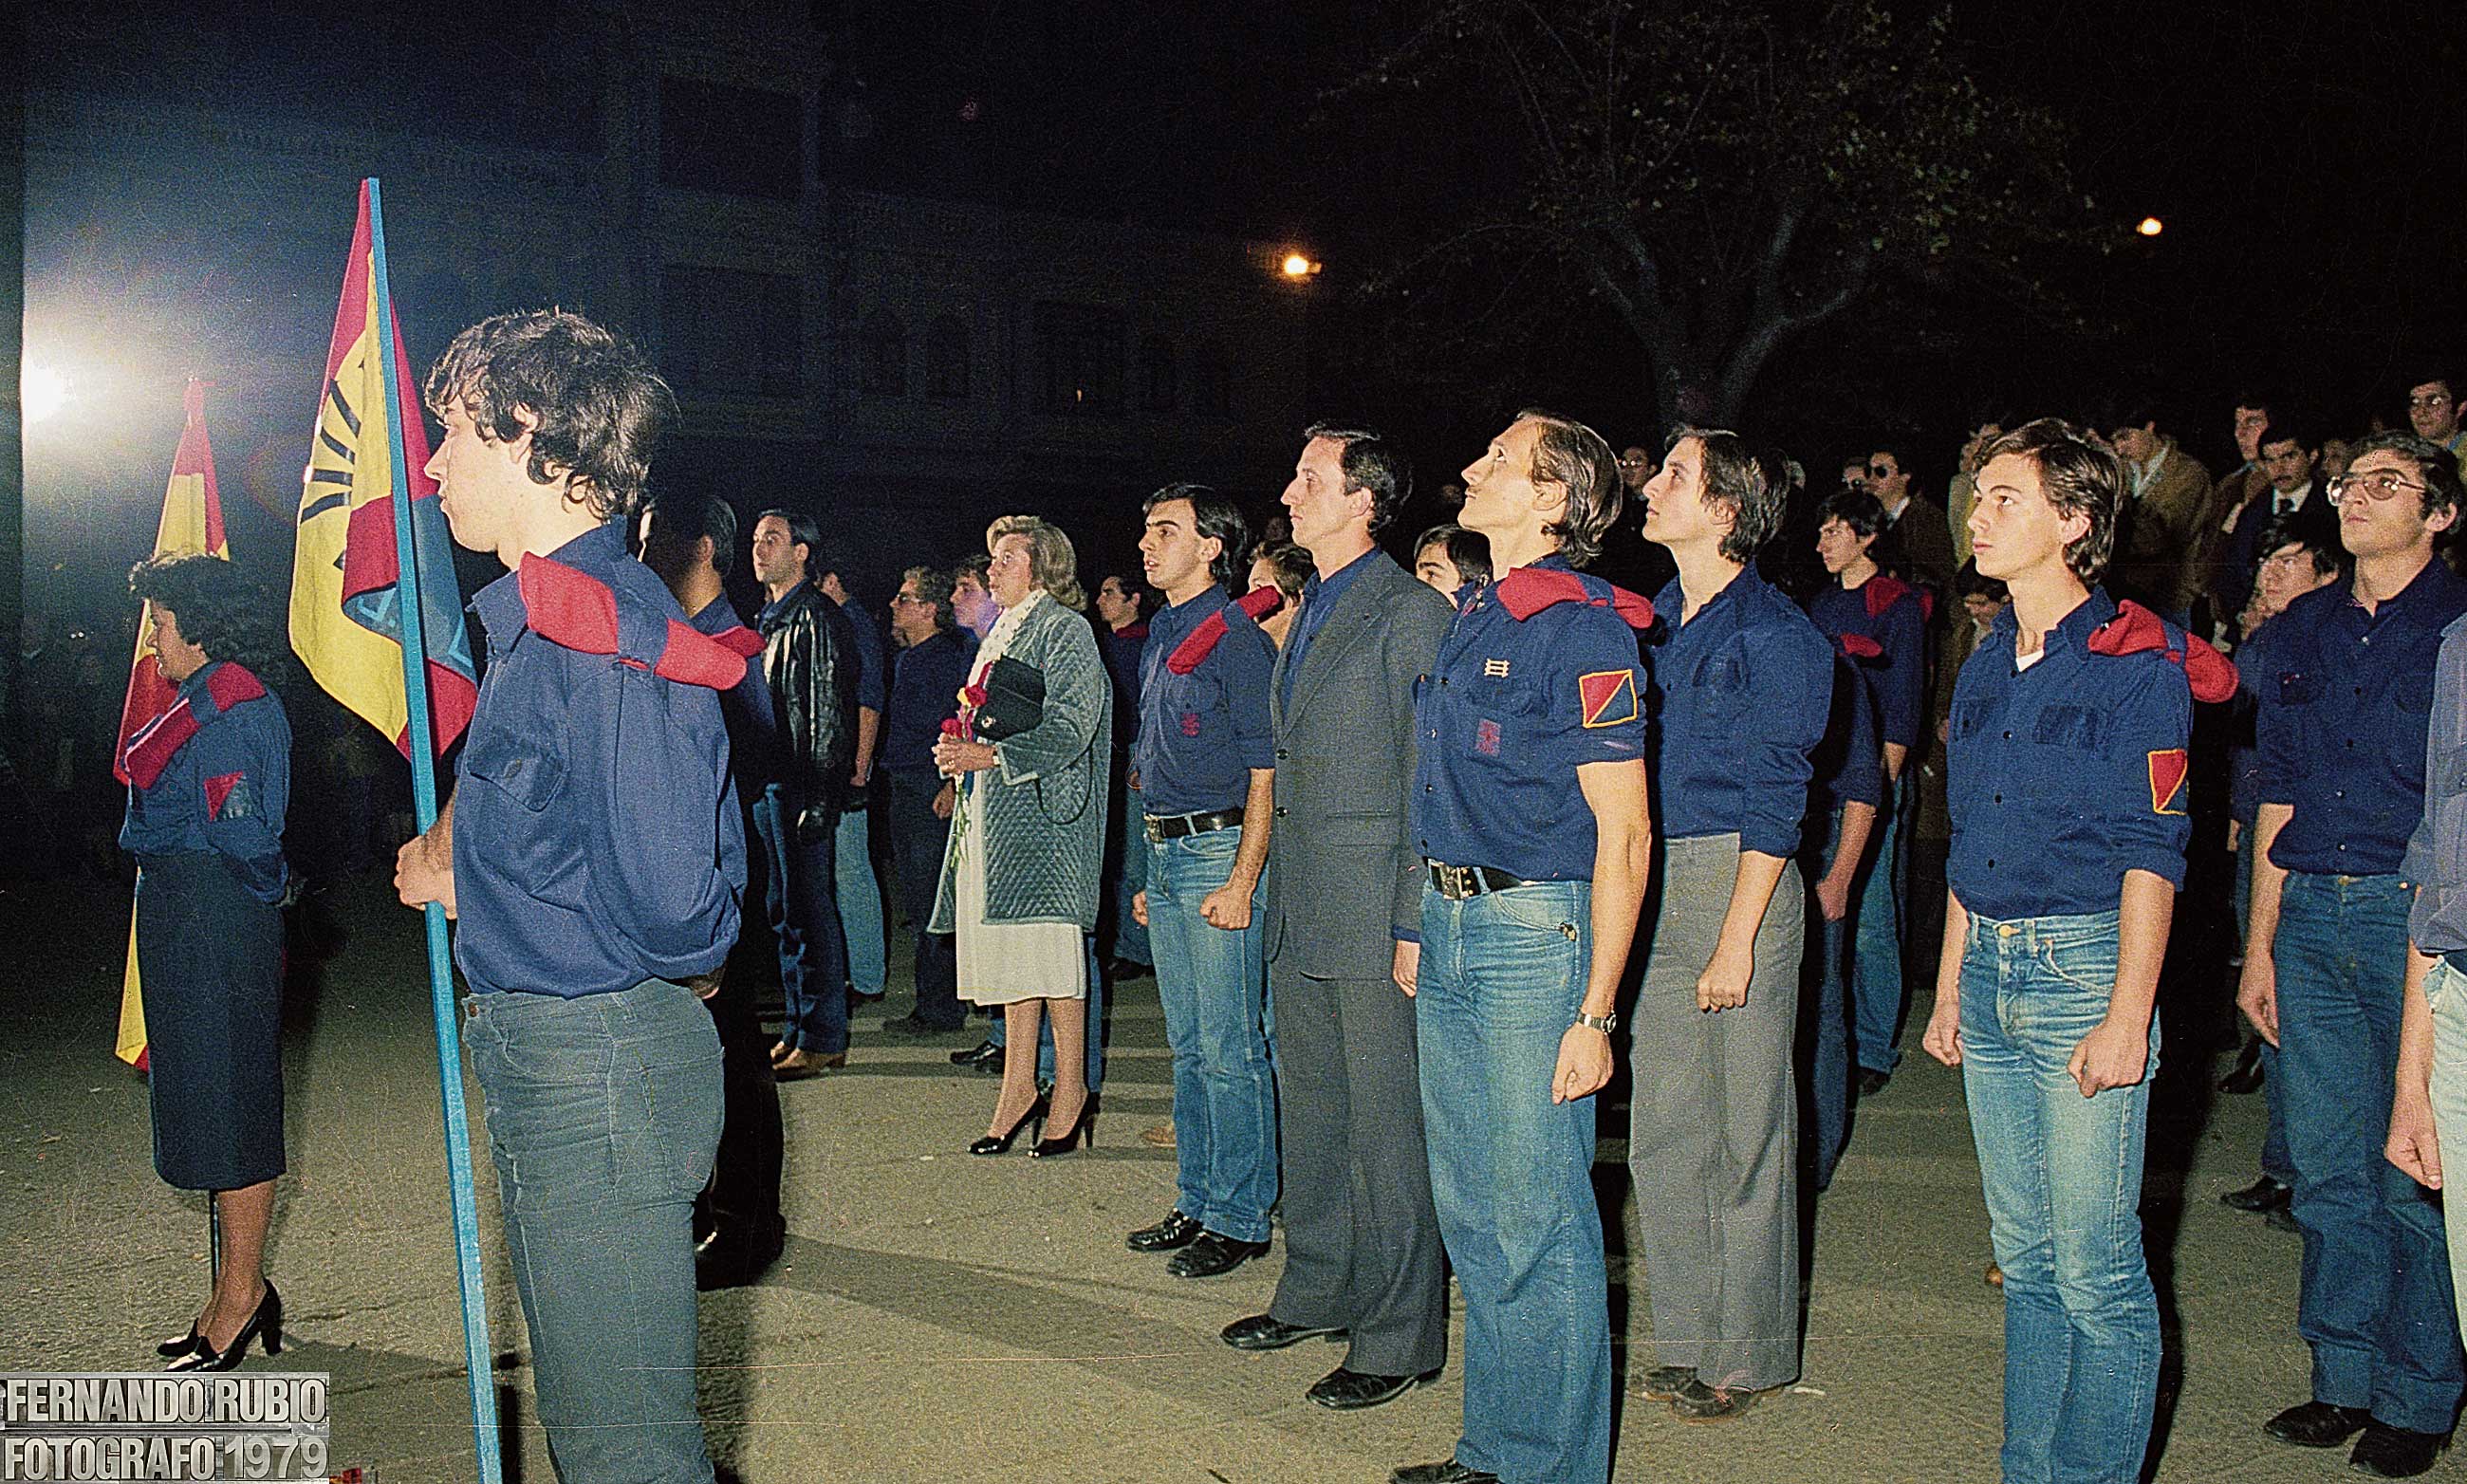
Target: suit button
x: 1281, y: 811
x: 1282, y: 754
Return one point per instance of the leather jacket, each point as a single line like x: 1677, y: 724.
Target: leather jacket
x: 809, y: 658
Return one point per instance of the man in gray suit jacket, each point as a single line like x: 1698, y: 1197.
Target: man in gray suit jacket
x: 1343, y: 920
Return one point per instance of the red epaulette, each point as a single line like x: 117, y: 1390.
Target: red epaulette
x: 1883, y: 589
x: 1529, y: 590
x: 1193, y: 651
x: 150, y: 751
x: 574, y: 609
x: 2136, y: 630
x: 1859, y: 646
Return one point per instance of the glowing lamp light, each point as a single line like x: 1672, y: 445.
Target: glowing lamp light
x: 1298, y: 266
x: 2151, y: 227
x: 42, y: 392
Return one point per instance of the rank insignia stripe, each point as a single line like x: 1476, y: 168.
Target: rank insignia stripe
x: 2168, y: 767
x: 1496, y: 669
x: 1609, y: 697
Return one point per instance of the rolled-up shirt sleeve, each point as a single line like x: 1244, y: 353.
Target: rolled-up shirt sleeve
x: 243, y: 770
x: 671, y: 865
x: 1793, y: 683
x: 2153, y: 723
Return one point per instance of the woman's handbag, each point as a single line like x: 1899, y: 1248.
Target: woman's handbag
x: 1014, y: 700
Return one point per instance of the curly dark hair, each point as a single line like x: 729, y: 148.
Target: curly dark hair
x: 597, y: 407
x: 220, y: 612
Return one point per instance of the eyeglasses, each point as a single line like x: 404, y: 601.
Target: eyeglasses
x: 1881, y: 471
x: 2378, y: 483
x: 2429, y: 399
x: 906, y: 600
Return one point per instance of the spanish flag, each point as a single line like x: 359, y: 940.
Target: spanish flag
x: 192, y: 526
x: 346, y: 609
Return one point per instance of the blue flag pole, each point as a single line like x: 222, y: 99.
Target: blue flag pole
x: 477, y: 1356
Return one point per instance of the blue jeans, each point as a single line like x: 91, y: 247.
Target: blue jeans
x: 2274, y: 1161
x: 859, y: 899
x: 1826, y: 1035
x: 603, y: 1117
x: 1214, y: 988
x: 813, y: 957
x: 2446, y: 989
x: 999, y: 1033
x: 1131, y: 873
x: 2376, y: 1304
x: 1876, y: 989
x: 2063, y: 1179
x: 1511, y: 1176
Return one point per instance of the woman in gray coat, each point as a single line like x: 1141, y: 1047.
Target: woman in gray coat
x: 1019, y: 876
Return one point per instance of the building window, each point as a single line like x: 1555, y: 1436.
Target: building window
x: 1211, y: 383
x: 1160, y: 388
x: 882, y: 355
x: 1080, y: 359
x: 946, y: 358
x: 726, y: 332
x: 736, y: 141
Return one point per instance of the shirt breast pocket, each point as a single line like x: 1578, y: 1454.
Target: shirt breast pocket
x: 531, y: 779
x: 2446, y: 802
x: 1504, y: 709
x: 1721, y: 683
x: 514, y: 816
x: 2073, y: 727
x: 2295, y: 688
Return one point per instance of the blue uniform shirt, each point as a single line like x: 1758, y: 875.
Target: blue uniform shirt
x: 745, y: 708
x: 1319, y: 600
x: 2436, y: 857
x: 2342, y: 728
x: 2064, y: 776
x: 1202, y: 734
x: 1896, y: 677
x: 1508, y: 713
x: 1850, y: 763
x: 1122, y: 649
x: 1739, y: 697
x: 597, y: 837
x: 870, y: 689
x: 226, y: 790
x: 925, y: 680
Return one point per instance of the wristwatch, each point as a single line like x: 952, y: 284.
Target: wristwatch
x: 1605, y: 1023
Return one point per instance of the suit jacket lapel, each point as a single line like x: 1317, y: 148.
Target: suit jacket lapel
x: 1348, y: 626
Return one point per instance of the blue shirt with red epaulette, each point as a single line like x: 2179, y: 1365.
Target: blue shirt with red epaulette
x: 597, y: 837
x: 1884, y: 621
x: 2067, y: 774
x: 1510, y: 713
x: 1739, y: 697
x: 2340, y: 730
x: 1203, y: 715
x: 214, y: 773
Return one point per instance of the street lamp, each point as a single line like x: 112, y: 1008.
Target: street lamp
x: 1297, y: 265
x: 2151, y: 227
x: 42, y: 392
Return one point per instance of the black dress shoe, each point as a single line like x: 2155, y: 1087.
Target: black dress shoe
x: 1176, y: 1230
x: 2318, y: 1424
x: 2395, y: 1453
x: 1445, y: 1471
x: 735, y: 1259
x: 1341, y: 1390
x: 2245, y: 1076
x: 1210, y: 1253
x: 984, y: 1053
x: 2266, y: 1194
x: 1267, y: 1332
x: 1872, y: 1082
x: 2282, y: 1219
x: 1122, y: 969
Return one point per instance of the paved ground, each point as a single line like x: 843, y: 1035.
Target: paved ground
x: 949, y: 1318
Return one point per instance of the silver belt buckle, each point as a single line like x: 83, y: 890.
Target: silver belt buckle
x: 1455, y: 882
x: 1154, y: 831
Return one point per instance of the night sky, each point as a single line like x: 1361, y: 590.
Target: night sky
x: 2303, y: 156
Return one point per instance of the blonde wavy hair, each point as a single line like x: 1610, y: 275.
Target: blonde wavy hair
x: 1052, y: 561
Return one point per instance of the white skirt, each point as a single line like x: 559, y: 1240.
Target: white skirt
x: 1002, y: 962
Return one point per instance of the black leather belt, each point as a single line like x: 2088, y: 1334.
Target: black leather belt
x: 1163, y: 827
x: 1457, y: 882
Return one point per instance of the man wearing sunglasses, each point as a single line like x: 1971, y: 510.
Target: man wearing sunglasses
x: 2433, y: 408
x: 1925, y: 536
x: 2340, y: 737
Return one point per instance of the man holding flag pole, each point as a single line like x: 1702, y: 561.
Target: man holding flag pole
x: 595, y: 855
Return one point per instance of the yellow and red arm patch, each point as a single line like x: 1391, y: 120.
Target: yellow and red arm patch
x: 2167, y: 769
x: 1609, y: 697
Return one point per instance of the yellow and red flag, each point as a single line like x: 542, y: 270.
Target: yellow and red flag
x: 192, y: 526
x: 346, y: 604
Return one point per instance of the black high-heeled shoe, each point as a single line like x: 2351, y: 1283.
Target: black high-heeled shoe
x: 266, y: 1323
x: 178, y: 1344
x: 1000, y: 1143
x: 1083, y: 1132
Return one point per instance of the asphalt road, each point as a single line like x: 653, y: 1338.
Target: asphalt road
x: 943, y: 1317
